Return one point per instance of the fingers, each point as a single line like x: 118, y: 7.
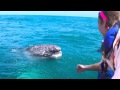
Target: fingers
x: 79, y: 68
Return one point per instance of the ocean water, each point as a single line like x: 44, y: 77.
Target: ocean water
x: 78, y: 37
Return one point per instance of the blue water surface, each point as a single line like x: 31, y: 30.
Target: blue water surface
x: 78, y: 37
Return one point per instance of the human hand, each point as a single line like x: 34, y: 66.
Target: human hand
x: 80, y: 68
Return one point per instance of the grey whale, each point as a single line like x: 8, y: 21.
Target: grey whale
x: 45, y: 50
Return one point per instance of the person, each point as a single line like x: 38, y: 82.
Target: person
x: 109, y: 66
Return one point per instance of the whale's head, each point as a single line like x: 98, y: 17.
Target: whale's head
x: 55, y: 51
x: 52, y: 51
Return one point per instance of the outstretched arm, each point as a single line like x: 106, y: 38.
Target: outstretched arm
x: 95, y: 67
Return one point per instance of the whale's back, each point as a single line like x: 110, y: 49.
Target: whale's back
x: 42, y: 50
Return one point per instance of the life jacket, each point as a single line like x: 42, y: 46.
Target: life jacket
x: 105, y: 74
x: 109, y: 49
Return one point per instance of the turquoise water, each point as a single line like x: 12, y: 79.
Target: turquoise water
x: 78, y: 37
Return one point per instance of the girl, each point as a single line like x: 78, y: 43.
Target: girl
x: 109, y: 67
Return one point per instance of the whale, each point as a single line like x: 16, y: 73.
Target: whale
x: 45, y: 50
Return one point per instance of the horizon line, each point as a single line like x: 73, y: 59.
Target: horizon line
x: 45, y: 15
x: 53, y: 13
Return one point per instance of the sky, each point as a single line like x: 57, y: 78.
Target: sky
x: 59, y: 13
